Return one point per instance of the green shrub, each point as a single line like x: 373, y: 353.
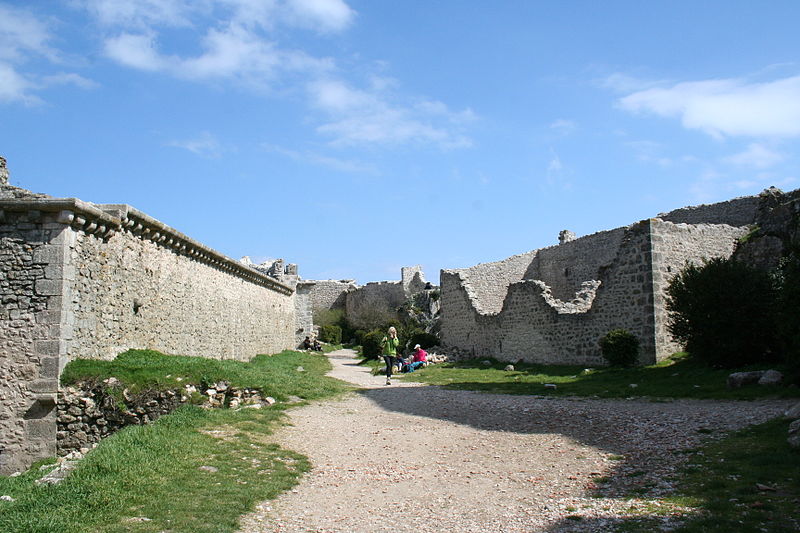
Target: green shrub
x: 371, y: 345
x: 620, y: 347
x: 331, y: 334
x: 326, y: 317
x: 358, y: 336
x: 426, y: 340
x: 724, y: 313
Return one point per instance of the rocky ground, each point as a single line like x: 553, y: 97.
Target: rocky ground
x: 410, y: 457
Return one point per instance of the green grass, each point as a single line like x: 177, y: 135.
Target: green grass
x: 677, y: 377
x: 276, y: 375
x: 148, y: 478
x: 721, y: 480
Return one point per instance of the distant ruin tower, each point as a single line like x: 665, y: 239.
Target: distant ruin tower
x: 3, y: 171
x: 565, y: 235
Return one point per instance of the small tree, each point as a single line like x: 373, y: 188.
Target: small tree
x: 620, y: 348
x: 724, y: 312
x: 331, y: 334
x: 371, y: 345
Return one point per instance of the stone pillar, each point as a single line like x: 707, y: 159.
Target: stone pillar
x: 3, y: 171
x: 566, y: 235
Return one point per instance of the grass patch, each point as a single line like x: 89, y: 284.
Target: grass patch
x: 749, y: 481
x: 276, y: 375
x: 148, y: 478
x: 676, y: 377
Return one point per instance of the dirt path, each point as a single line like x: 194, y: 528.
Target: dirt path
x: 410, y: 457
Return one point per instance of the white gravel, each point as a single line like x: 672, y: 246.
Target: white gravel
x: 410, y: 457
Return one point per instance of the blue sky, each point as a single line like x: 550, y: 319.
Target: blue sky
x: 355, y: 137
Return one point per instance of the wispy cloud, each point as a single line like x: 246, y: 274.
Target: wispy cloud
x: 725, y: 107
x: 340, y: 165
x: 24, y: 38
x: 756, y: 155
x: 650, y: 152
x: 563, y: 126
x: 357, y: 116
x: 205, y: 145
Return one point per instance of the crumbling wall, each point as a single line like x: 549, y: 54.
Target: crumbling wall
x: 566, y: 266
x: 330, y: 294
x: 487, y: 283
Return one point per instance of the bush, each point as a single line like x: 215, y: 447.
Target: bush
x: 426, y: 340
x: 371, y: 345
x: 620, y: 348
x: 723, y: 311
x: 331, y: 334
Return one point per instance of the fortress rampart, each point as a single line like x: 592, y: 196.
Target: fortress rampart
x: 85, y: 280
x: 552, y: 305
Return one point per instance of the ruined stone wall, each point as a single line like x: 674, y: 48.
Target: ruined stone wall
x: 330, y: 294
x: 29, y: 349
x: 303, y: 311
x: 673, y: 246
x: 487, y: 283
x: 383, y: 296
x: 565, y: 266
x: 735, y: 212
x: 132, y: 291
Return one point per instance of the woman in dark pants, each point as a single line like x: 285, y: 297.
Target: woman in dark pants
x: 389, y: 346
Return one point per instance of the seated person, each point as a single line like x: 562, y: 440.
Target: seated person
x: 307, y: 343
x: 317, y: 346
x: 420, y: 358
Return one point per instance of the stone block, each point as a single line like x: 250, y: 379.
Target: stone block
x: 48, y: 347
x: 41, y: 386
x: 48, y: 287
x: 50, y: 254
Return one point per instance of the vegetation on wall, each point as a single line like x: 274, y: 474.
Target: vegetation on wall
x: 620, y: 348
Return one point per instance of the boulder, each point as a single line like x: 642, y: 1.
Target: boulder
x: 739, y: 379
x: 793, y: 413
x: 509, y: 368
x: 771, y: 377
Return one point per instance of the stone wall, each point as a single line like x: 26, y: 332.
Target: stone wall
x: 735, y: 212
x: 487, y: 283
x: 29, y: 363
x: 675, y: 245
x: 331, y: 294
x: 565, y: 266
x: 80, y: 281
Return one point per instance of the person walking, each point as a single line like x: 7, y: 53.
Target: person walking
x: 389, y: 346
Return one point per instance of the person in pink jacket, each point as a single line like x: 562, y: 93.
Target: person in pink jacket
x: 420, y: 358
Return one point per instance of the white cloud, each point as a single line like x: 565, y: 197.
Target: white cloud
x: 136, y: 51
x: 21, y: 34
x: 335, y: 163
x: 650, y: 152
x: 756, y: 156
x: 624, y: 83
x: 14, y: 87
x: 205, y: 145
x: 142, y: 14
x: 324, y: 15
x: 726, y: 107
x: 563, y: 126
x: 363, y: 117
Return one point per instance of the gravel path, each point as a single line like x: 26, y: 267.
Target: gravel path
x: 411, y: 457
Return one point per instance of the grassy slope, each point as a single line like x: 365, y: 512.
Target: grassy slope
x: 148, y: 478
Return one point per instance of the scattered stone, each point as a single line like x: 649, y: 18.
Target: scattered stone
x: 793, y: 412
x: 206, y: 468
x: 550, y: 386
x: 761, y: 487
x: 509, y: 368
x: 771, y: 377
x: 6, y: 498
x: 633, y: 385
x: 739, y: 379
x: 135, y: 519
x: 15, y: 474
x: 486, y: 362
x: 300, y: 369
x: 58, y: 474
x: 254, y: 406
x: 270, y: 400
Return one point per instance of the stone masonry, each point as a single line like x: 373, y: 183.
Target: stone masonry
x: 85, y: 280
x: 552, y: 305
